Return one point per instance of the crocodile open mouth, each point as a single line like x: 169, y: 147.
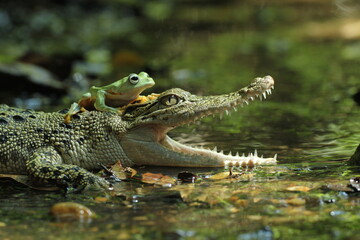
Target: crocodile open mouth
x: 159, y: 149
x: 224, y: 159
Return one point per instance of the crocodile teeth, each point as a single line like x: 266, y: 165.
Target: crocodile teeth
x: 250, y: 160
x: 264, y: 94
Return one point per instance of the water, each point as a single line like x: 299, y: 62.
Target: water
x: 310, y: 121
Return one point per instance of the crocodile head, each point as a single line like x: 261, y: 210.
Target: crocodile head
x: 146, y: 141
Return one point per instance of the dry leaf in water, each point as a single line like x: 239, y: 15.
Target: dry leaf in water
x: 120, y: 172
x: 220, y: 176
x: 298, y: 189
x: 225, y: 175
x: 157, y: 178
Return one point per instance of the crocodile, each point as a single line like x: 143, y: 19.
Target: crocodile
x: 43, y: 147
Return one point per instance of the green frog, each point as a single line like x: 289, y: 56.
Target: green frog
x: 111, y: 97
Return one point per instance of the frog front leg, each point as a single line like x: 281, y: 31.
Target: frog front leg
x: 45, y: 164
x: 100, y: 102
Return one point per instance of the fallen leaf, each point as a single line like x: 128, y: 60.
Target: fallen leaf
x: 157, y: 178
x: 130, y: 171
x: 120, y: 172
x: 241, y: 202
x: 298, y: 189
x: 165, y: 180
x: 256, y: 199
x: 255, y: 217
x: 234, y: 210
x: 229, y: 175
x: 141, y: 218
x: 101, y: 199
x: 233, y: 198
x: 151, y: 177
x: 220, y: 176
x: 295, y: 201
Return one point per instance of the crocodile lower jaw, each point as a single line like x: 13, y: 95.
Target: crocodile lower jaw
x: 227, y: 160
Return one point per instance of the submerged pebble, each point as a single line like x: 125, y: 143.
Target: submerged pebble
x: 69, y: 211
x: 186, y: 177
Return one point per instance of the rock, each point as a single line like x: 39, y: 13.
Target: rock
x: 355, y: 159
x: 356, y: 97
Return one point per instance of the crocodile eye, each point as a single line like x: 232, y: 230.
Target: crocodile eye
x: 133, y: 78
x: 170, y: 100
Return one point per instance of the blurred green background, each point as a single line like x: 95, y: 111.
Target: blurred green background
x: 311, y: 48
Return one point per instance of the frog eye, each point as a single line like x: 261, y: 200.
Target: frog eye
x: 133, y: 78
x: 170, y: 100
